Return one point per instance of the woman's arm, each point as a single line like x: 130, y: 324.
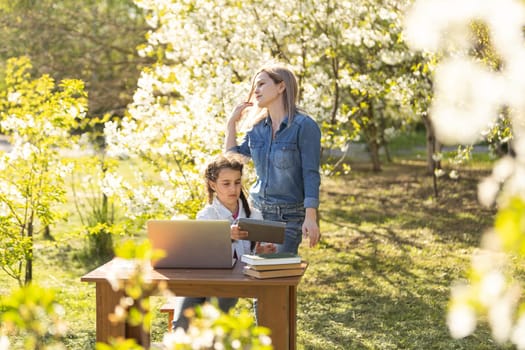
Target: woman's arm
x: 310, y: 148
x: 231, y: 126
x: 310, y: 144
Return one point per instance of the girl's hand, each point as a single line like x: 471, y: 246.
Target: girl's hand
x: 265, y: 248
x: 236, y: 233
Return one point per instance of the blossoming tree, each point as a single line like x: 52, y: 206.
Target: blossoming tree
x: 37, y: 116
x: 469, y: 97
x: 353, y: 73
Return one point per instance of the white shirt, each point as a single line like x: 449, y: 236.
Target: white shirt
x: 217, y: 211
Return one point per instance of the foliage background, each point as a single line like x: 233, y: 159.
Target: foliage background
x: 161, y: 77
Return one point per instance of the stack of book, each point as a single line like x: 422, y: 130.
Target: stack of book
x: 273, y: 265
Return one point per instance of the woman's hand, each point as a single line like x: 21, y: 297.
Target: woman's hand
x: 230, y: 140
x: 238, y: 112
x: 310, y: 227
x: 236, y: 233
x: 265, y: 248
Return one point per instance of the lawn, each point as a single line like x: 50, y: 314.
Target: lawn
x: 390, y: 251
x: 380, y: 279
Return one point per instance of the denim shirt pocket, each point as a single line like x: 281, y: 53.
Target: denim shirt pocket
x: 285, y: 155
x: 257, y: 150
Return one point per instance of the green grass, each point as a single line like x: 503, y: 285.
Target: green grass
x: 390, y: 251
x: 380, y: 279
x: 412, y: 145
x: 407, y: 141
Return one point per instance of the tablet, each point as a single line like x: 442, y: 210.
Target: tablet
x: 263, y: 230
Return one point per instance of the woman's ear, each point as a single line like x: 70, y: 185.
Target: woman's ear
x: 281, y: 87
x: 212, y: 185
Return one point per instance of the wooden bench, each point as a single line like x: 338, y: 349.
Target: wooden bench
x: 169, y: 308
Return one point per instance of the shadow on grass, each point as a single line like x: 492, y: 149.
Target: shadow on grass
x: 381, y: 277
x: 90, y: 260
x: 420, y: 326
x: 81, y: 341
x: 373, y: 296
x: 400, y: 198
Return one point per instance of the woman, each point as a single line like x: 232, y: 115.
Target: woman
x: 285, y: 146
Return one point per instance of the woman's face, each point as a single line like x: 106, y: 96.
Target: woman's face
x: 227, y: 187
x: 266, y: 91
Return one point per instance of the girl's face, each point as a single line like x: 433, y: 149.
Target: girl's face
x: 266, y: 91
x: 228, y: 187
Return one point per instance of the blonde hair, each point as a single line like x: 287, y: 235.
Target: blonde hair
x: 278, y: 74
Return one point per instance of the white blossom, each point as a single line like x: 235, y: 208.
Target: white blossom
x: 461, y: 321
x: 4, y: 342
x: 492, y: 287
x: 14, y: 97
x: 111, y: 184
x: 488, y: 189
x: 518, y: 333
x: 465, y: 102
x: 178, y: 336
x: 501, y: 315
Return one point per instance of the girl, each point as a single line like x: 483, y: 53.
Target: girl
x: 285, y: 146
x: 226, y: 201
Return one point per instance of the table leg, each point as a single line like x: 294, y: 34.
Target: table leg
x: 107, y: 299
x: 292, y: 297
x: 138, y: 333
x: 273, y: 311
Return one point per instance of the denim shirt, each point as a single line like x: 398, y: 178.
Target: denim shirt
x: 287, y: 166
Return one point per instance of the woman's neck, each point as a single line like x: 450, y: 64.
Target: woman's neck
x: 277, y: 114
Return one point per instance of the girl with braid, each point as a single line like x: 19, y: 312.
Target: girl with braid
x: 226, y: 201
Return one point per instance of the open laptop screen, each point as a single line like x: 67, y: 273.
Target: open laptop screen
x: 192, y: 243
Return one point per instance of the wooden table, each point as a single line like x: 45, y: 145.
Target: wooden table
x: 277, y: 298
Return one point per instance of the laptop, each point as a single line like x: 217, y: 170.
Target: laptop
x: 191, y: 243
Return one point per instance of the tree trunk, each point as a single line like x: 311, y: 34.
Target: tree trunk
x: 384, y: 144
x: 374, y: 155
x: 373, y: 139
x: 382, y: 139
x: 433, y: 146
x: 29, y: 256
x: 47, y: 233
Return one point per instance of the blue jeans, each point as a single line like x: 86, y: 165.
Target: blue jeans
x: 183, y: 303
x: 293, y: 215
